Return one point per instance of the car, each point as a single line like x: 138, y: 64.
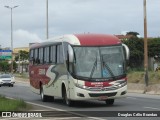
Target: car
x: 7, y: 79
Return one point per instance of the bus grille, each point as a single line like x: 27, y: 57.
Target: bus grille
x: 102, y: 94
x: 102, y: 88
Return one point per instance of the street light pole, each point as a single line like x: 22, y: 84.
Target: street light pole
x: 47, y: 36
x: 145, y: 45
x: 11, y: 8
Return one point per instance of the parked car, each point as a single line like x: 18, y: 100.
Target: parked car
x: 7, y: 79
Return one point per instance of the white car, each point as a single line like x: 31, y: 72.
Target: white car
x: 7, y: 79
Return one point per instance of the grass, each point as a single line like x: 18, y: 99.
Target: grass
x: 13, y: 105
x: 22, y: 75
x: 138, y: 77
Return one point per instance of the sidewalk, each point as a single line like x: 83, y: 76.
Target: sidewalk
x: 141, y: 88
x: 20, y: 79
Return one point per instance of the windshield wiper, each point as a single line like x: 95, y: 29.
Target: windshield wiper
x: 93, y: 69
x: 109, y: 69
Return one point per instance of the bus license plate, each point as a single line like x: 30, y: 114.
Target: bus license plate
x: 103, y: 97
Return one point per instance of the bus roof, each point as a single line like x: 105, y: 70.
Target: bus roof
x: 82, y: 39
x: 97, y: 39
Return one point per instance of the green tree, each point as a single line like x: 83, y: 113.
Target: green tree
x: 24, y: 55
x: 154, y: 47
x: 4, y: 66
x: 136, y: 48
x: 15, y: 66
x: 135, y: 34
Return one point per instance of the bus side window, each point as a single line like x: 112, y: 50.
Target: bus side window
x: 33, y: 60
x: 52, y: 58
x: 46, y: 55
x: 60, y: 54
x: 37, y: 61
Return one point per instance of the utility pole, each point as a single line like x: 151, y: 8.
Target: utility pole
x: 19, y: 62
x: 11, y: 8
x: 145, y: 45
x: 47, y: 35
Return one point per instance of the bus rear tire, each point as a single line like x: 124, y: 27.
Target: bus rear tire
x: 50, y: 98
x: 43, y: 97
x: 110, y: 101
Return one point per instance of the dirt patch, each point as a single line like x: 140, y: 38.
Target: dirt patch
x: 141, y: 88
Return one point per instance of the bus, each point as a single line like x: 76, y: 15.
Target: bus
x: 79, y: 67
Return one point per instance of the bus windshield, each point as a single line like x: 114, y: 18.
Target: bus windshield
x: 99, y: 62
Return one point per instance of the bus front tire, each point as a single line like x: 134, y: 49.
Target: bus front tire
x: 110, y: 101
x: 65, y: 98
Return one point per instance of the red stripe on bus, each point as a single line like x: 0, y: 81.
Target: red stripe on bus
x: 97, y: 84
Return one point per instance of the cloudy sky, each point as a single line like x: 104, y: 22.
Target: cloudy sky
x: 74, y: 16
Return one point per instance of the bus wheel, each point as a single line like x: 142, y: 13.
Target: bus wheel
x: 110, y: 101
x: 43, y: 97
x: 66, y: 100
x: 50, y: 98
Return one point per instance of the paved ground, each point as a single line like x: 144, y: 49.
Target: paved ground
x: 134, y: 102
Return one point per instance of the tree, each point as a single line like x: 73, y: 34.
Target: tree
x: 15, y: 66
x: 136, y: 48
x: 135, y: 34
x: 4, y: 66
x: 154, y: 47
x: 24, y: 55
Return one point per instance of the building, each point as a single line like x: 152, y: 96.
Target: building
x: 124, y: 37
x: 16, y: 50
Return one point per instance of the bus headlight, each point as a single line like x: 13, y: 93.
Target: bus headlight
x: 121, y: 84
x: 80, y: 86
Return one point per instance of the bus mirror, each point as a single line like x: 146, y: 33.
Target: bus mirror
x: 70, y: 52
x: 127, y: 51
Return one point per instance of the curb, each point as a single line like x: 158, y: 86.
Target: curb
x: 141, y: 88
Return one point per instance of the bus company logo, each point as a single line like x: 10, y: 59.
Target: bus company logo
x: 42, y: 71
x: 6, y: 114
x: 97, y: 84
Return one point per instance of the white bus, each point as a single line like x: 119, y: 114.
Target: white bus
x: 79, y: 67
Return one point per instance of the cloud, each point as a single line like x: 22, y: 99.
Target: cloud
x: 75, y: 16
x: 22, y: 38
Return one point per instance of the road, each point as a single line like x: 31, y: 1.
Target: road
x: 95, y: 109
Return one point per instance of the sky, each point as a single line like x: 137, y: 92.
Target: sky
x: 74, y: 16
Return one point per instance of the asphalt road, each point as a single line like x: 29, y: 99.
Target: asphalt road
x: 139, y: 103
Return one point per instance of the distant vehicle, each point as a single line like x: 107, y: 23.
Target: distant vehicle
x: 79, y: 67
x: 7, y: 79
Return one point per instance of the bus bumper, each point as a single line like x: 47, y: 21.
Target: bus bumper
x: 82, y: 94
